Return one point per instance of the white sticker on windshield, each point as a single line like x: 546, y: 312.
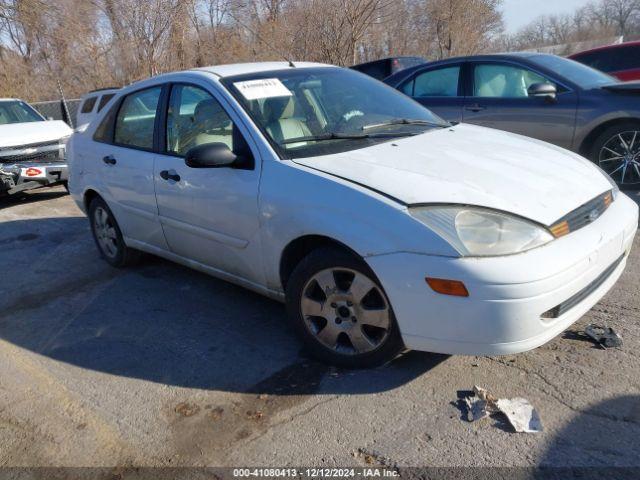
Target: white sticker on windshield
x: 263, y: 88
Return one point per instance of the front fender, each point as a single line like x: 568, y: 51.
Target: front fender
x: 367, y: 222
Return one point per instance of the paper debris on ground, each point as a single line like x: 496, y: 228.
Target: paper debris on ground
x: 520, y: 413
x: 603, y: 335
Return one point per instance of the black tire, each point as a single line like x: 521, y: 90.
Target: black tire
x: 124, y: 256
x: 334, y: 259
x: 632, y: 179
x: 66, y: 186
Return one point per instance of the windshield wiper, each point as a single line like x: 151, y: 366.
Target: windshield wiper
x: 344, y: 136
x: 405, y: 121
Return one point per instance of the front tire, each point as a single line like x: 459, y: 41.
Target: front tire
x: 617, y: 151
x: 340, y: 311
x: 108, y: 236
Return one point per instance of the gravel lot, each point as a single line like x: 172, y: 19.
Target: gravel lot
x: 160, y: 365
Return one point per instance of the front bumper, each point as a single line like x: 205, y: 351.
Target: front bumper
x: 508, y: 295
x: 25, y: 176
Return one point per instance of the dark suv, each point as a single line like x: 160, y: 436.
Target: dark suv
x: 621, y: 60
x: 381, y: 69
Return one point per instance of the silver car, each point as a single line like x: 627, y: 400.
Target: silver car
x: 541, y: 96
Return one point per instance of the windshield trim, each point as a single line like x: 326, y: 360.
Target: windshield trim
x: 283, y: 153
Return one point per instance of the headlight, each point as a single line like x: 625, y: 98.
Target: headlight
x: 64, y: 140
x: 62, y: 147
x: 475, y: 231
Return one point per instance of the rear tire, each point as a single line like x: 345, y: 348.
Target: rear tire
x: 108, y: 237
x: 617, y: 151
x: 340, y: 311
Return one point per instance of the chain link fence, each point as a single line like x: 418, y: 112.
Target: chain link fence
x: 55, y: 109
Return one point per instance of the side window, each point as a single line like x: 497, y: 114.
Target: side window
x: 104, y: 100
x: 196, y: 118
x: 617, y: 59
x: 592, y: 59
x: 136, y: 119
x: 504, y: 81
x: 88, y: 105
x: 442, y: 82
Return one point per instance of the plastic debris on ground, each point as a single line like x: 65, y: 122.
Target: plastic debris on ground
x: 522, y: 416
x: 604, y: 336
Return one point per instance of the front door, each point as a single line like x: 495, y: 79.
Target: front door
x: 500, y: 99
x: 209, y: 215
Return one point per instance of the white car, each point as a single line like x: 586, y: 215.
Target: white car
x: 380, y: 225
x: 32, y: 149
x: 91, y: 104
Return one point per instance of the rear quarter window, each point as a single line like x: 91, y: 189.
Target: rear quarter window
x: 87, y: 106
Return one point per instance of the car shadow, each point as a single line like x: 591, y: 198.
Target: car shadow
x: 32, y: 196
x: 159, y: 321
x: 599, y: 442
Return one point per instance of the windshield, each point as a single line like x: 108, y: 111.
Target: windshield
x: 15, y: 111
x: 582, y: 75
x: 318, y: 111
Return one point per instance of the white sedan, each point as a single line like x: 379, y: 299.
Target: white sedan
x: 380, y: 225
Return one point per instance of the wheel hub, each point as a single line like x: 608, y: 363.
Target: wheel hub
x: 620, y: 157
x: 351, y: 316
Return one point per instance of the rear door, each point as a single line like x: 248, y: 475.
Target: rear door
x: 439, y: 89
x: 125, y: 154
x: 498, y: 98
x: 209, y: 215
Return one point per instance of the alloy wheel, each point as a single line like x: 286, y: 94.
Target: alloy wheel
x: 346, y: 311
x: 105, y: 232
x: 620, y: 157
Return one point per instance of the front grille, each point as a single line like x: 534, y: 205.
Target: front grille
x: 32, y: 145
x: 568, y: 304
x: 582, y: 216
x: 50, y: 156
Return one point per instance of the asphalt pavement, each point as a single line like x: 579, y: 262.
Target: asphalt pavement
x: 159, y: 365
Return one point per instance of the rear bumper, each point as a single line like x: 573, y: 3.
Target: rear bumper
x: 508, y: 295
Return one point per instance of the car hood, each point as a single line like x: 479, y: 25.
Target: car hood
x: 472, y: 165
x: 27, y: 133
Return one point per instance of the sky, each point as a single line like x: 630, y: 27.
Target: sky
x: 518, y: 13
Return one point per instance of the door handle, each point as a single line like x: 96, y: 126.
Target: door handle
x: 109, y: 160
x: 170, y: 175
x: 475, y: 108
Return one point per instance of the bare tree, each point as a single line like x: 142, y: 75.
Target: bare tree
x: 463, y: 27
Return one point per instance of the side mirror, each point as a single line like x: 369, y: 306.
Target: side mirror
x: 50, y: 119
x: 210, y: 155
x: 542, y: 90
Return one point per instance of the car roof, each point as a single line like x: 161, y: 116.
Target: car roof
x: 103, y: 90
x: 222, y: 71
x: 11, y: 100
x: 608, y: 47
x: 255, y: 67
